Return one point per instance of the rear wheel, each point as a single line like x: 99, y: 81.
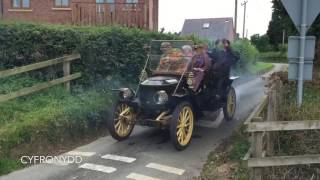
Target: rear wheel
x: 122, y: 122
x: 229, y: 107
x: 181, y: 126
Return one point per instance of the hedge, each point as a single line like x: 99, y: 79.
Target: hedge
x: 105, y: 51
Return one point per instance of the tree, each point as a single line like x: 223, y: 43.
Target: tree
x: 261, y: 42
x: 280, y: 21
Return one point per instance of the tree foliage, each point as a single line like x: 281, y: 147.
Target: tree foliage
x: 261, y: 42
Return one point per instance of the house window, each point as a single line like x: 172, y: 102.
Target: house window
x: 101, y: 5
x: 61, y: 3
x: 206, y: 26
x: 105, y: 1
x: 21, y: 4
x: 132, y: 1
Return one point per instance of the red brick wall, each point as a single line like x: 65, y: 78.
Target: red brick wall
x: 40, y: 11
x: 44, y: 11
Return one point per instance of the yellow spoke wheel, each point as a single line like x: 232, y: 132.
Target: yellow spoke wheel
x: 182, y: 124
x: 121, y: 124
x: 230, y: 107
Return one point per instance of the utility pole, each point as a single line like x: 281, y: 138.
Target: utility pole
x: 244, y: 18
x: 236, y: 17
x: 283, y: 36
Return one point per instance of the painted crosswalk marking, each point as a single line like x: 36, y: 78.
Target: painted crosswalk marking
x: 80, y: 153
x: 137, y: 176
x: 119, y: 158
x: 97, y: 167
x: 164, y: 168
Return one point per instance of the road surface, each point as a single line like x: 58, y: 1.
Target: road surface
x: 148, y: 154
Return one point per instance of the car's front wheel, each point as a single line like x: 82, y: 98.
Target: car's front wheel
x: 229, y: 107
x: 121, y: 124
x: 181, y: 126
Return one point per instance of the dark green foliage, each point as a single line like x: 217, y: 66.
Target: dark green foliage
x: 248, y: 53
x: 262, y: 43
x: 282, y: 21
x: 105, y: 51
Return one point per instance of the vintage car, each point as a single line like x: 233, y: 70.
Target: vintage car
x: 165, y: 97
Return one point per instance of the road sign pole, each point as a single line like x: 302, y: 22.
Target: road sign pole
x: 303, y: 33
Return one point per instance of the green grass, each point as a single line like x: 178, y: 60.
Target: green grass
x: 51, y: 117
x: 7, y: 165
x: 259, y: 67
x: 298, y: 142
x: 273, y: 57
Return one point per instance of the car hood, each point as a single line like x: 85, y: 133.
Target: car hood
x: 160, y: 81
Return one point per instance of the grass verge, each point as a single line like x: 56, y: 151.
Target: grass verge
x: 47, y: 123
x: 225, y: 162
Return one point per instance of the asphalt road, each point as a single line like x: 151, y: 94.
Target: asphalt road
x: 148, y: 154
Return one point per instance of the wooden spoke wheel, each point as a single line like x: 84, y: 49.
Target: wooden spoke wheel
x: 181, y: 126
x: 229, y: 108
x: 122, y: 122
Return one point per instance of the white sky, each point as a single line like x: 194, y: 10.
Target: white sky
x: 174, y: 12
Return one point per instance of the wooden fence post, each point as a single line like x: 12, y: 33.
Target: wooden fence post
x: 66, y: 72
x: 271, y: 117
x: 257, y: 145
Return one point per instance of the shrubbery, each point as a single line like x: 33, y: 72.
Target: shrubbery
x: 248, y: 53
x: 105, y: 51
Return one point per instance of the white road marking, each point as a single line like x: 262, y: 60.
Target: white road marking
x: 137, y: 176
x: 119, y: 158
x: 167, y: 169
x: 79, y: 153
x: 96, y: 167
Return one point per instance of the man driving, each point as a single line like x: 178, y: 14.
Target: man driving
x: 171, y: 58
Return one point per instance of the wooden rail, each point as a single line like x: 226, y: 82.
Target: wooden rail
x: 283, y: 161
x: 40, y: 65
x: 66, y: 60
x: 263, y: 129
x: 283, y: 126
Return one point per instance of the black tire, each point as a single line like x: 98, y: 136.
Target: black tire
x: 175, y: 122
x: 229, y: 113
x: 112, y: 123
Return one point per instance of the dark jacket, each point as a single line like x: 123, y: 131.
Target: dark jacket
x: 223, y: 60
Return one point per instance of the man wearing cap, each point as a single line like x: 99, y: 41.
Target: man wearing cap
x: 169, y: 60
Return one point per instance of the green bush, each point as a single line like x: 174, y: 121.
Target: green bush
x: 248, y: 53
x: 262, y: 43
x: 105, y: 51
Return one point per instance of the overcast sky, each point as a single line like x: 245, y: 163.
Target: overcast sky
x: 174, y: 12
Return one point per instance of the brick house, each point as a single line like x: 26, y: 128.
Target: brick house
x: 130, y: 13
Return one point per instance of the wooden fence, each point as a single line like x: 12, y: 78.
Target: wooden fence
x: 65, y: 60
x: 263, y: 125
x: 103, y: 14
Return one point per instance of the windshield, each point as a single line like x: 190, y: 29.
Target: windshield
x: 170, y: 57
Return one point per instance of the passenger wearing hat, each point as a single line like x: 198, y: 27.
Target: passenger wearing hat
x: 170, y: 59
x: 200, y: 64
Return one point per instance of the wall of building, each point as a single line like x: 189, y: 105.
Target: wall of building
x: 83, y: 12
x: 39, y: 11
